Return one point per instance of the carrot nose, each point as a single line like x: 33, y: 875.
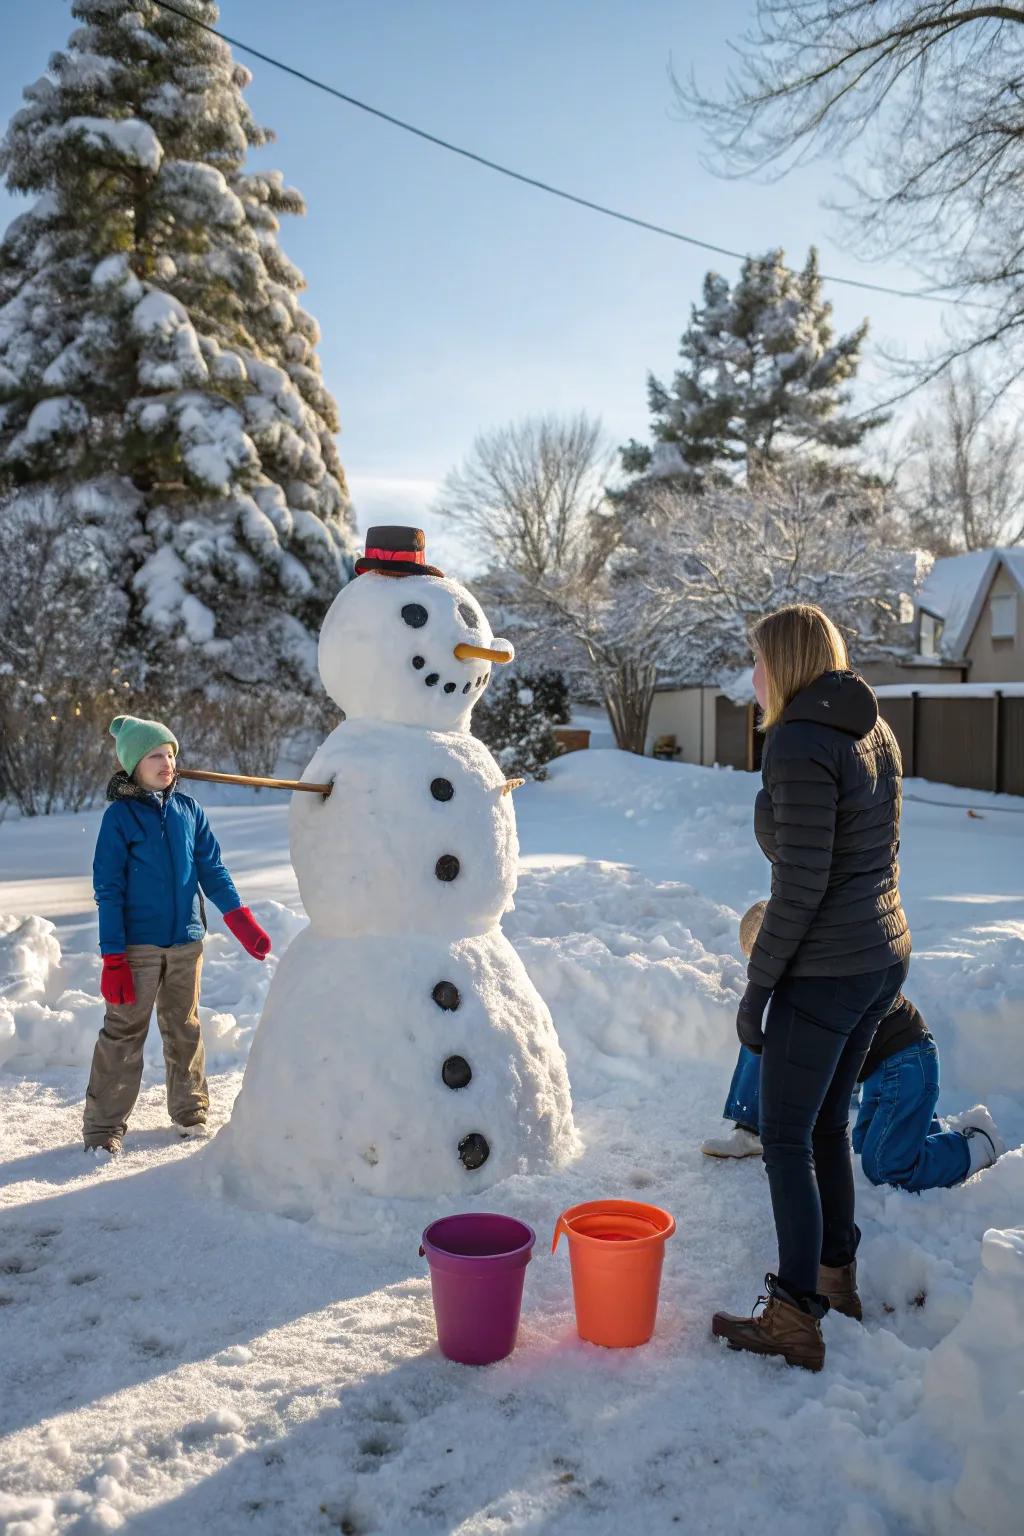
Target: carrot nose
x: 482, y: 653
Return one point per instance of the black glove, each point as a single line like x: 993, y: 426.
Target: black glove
x: 749, y: 1016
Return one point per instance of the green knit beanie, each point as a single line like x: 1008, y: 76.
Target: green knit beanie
x: 135, y: 737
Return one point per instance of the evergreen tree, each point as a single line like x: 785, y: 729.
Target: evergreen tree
x: 159, y: 383
x: 515, y: 719
x: 762, y: 372
x: 551, y: 695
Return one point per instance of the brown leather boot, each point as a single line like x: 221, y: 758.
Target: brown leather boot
x: 840, y: 1286
x: 783, y: 1328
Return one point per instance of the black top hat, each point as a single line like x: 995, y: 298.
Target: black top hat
x: 396, y: 552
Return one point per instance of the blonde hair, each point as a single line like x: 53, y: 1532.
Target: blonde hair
x: 797, y: 644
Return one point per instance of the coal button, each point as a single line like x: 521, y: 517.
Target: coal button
x: 473, y: 1150
x: 456, y: 1072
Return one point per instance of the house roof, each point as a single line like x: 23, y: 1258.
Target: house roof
x: 956, y: 589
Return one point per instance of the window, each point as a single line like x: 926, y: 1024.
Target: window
x: 931, y: 634
x: 1004, y: 617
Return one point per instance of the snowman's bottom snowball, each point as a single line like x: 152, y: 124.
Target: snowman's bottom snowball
x: 344, y: 1093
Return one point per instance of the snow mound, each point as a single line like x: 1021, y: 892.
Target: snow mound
x: 623, y: 782
x: 673, y: 817
x: 974, y: 1388
x: 51, y: 1009
x: 629, y: 966
x: 971, y: 991
x: 28, y: 953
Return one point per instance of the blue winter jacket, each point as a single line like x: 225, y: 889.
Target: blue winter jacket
x: 153, y: 854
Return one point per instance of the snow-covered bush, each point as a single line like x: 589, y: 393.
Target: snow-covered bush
x: 516, y: 718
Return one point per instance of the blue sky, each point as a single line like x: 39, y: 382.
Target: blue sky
x: 451, y: 299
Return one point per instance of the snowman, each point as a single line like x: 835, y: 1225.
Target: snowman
x: 402, y: 1049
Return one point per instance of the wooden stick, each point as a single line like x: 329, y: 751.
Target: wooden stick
x: 211, y: 777
x: 248, y: 778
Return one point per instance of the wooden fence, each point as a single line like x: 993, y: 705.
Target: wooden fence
x: 975, y: 742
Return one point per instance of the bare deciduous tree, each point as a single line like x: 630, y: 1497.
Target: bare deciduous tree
x: 665, y: 582
x: 964, y: 475
x: 527, y: 493
x: 930, y: 92
x: 619, y: 624
x: 531, y: 500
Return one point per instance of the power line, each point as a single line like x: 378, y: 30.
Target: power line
x: 544, y: 186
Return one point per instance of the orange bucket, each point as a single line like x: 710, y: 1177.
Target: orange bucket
x: 616, y: 1249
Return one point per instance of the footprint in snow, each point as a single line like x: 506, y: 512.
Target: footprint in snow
x: 375, y: 1450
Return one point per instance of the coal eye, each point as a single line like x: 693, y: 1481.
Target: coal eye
x: 470, y: 615
x: 415, y: 615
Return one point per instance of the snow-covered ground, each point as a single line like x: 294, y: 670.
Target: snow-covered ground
x: 170, y: 1361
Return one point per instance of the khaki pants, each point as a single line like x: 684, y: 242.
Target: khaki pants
x: 170, y: 979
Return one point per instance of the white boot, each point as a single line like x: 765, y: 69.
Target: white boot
x: 985, y: 1146
x: 978, y: 1119
x: 738, y: 1143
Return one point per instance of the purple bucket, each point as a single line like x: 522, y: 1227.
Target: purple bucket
x: 477, y: 1268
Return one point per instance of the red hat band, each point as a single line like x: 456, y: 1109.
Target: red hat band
x: 393, y: 550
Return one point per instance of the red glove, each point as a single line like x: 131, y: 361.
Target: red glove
x: 248, y: 932
x: 116, y: 981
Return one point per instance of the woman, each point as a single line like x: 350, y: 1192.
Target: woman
x: 829, y: 960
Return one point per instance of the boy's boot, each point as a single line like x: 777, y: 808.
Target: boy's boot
x: 839, y: 1284
x: 786, y: 1327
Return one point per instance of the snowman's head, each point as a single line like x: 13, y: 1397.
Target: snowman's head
x: 414, y: 650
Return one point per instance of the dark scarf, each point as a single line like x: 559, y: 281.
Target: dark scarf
x: 123, y: 787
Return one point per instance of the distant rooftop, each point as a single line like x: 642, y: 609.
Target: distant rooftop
x: 956, y: 588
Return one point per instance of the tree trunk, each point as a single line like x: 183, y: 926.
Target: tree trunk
x: 628, y: 695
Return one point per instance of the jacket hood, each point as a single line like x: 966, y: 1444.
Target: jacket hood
x: 839, y: 699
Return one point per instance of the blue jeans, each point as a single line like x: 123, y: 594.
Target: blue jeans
x: 817, y: 1035
x: 898, y: 1135
x: 743, y: 1103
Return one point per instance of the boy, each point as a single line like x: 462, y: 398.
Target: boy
x: 899, y: 1137
x: 155, y: 854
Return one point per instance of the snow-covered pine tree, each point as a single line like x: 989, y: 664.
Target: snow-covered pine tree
x: 159, y: 383
x: 762, y: 371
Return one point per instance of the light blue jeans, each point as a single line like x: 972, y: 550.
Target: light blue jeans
x: 898, y: 1135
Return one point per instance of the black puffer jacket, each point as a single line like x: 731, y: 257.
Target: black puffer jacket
x: 828, y: 818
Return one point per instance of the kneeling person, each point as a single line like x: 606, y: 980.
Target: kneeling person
x: 900, y: 1139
